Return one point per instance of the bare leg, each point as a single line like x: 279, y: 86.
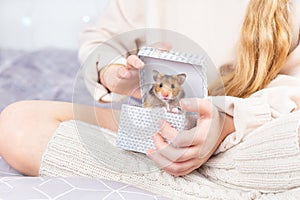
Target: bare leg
x: 26, y: 128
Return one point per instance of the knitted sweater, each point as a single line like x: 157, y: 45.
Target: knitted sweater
x: 215, y: 26
x: 265, y: 165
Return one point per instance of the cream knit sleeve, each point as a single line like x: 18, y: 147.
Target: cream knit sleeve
x: 280, y: 98
x: 100, y: 42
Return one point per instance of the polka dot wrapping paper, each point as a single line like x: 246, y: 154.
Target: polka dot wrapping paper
x: 138, y: 124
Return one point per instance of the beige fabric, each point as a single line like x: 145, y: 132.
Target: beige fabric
x: 266, y: 165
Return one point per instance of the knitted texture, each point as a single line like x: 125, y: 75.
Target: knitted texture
x: 267, y: 159
x: 265, y: 165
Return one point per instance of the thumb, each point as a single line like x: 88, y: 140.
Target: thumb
x: 133, y: 62
x: 202, y: 106
x: 163, y: 46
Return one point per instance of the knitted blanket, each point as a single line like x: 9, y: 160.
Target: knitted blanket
x: 265, y: 165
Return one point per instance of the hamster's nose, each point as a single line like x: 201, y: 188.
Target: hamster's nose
x: 165, y: 93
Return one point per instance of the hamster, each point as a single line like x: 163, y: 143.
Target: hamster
x: 166, y: 92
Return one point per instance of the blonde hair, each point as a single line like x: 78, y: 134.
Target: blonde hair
x: 263, y: 47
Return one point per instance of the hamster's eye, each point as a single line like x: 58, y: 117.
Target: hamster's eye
x: 172, y: 86
x: 161, y: 85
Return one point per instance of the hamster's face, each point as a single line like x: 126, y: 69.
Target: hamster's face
x: 168, y: 87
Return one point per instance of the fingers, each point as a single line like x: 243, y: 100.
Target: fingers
x: 167, y: 131
x: 190, y: 137
x: 202, y: 106
x: 174, y: 168
x: 133, y: 62
x: 164, y: 46
x: 174, y: 154
x: 186, y: 138
x: 160, y: 161
x: 131, y: 70
x: 124, y: 73
x: 181, y: 154
x: 184, y: 168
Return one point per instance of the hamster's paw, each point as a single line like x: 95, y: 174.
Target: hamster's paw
x: 175, y: 110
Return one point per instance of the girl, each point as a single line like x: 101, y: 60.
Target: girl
x: 255, y: 45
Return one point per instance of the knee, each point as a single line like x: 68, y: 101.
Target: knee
x: 11, y: 119
x: 12, y: 133
x: 8, y: 121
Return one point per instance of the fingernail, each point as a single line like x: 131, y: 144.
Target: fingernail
x: 150, y: 152
x: 123, y: 73
x: 138, y: 63
x: 154, y: 136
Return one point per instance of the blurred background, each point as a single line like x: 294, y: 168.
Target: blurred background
x: 38, y: 47
x: 35, y: 24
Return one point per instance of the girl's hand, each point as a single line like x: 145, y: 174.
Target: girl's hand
x: 123, y: 79
x: 188, y: 150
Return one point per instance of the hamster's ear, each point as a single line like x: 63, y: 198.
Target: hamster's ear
x: 181, y: 78
x: 156, y: 74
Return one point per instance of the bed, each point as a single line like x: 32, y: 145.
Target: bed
x: 49, y: 74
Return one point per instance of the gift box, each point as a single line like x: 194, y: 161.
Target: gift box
x: 165, y: 75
